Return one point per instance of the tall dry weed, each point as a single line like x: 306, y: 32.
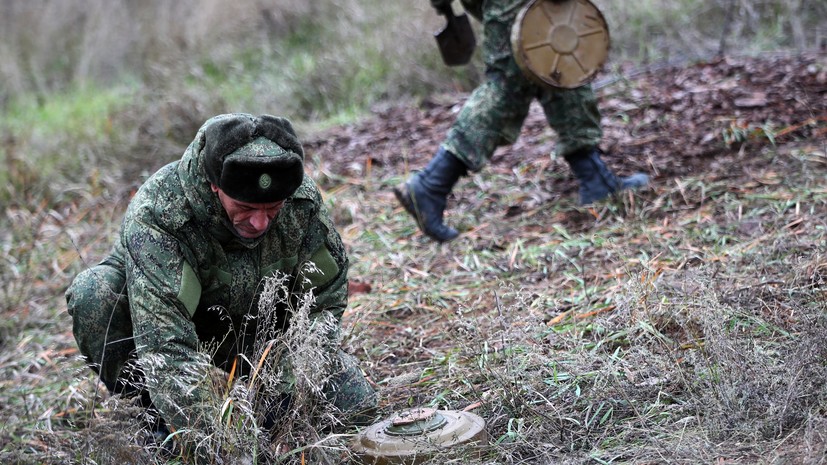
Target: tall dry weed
x: 726, y: 369
x: 676, y: 371
x: 272, y: 406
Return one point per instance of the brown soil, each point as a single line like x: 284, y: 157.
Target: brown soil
x: 668, y: 122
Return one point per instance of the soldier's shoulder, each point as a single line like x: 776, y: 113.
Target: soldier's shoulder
x: 308, y: 190
x: 160, y: 201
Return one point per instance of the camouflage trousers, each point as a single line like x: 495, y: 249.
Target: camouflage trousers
x: 102, y: 326
x: 495, y: 111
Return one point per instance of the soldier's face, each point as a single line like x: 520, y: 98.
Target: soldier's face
x: 250, y: 220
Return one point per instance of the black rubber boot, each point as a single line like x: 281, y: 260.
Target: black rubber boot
x: 424, y: 194
x: 596, y: 180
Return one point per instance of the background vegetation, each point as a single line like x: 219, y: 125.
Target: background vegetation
x: 86, y: 82
x: 707, y: 345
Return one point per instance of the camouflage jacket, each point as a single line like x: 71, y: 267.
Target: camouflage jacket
x: 191, y: 280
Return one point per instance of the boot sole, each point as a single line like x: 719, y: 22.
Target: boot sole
x: 404, y: 198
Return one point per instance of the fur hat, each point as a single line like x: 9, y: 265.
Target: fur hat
x: 254, y: 159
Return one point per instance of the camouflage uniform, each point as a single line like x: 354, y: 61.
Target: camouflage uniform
x: 494, y: 113
x: 180, y: 277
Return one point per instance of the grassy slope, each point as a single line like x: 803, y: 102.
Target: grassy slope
x: 683, y: 323
x: 621, y: 339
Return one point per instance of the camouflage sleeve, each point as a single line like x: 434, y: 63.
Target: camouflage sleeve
x: 321, y: 274
x: 177, y: 374
x: 326, y: 269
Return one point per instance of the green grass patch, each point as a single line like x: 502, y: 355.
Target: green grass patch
x: 83, y: 112
x: 52, y: 141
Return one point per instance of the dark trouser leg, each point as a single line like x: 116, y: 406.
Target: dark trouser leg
x: 102, y: 325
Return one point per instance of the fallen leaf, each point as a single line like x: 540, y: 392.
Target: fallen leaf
x: 757, y: 99
x: 358, y: 287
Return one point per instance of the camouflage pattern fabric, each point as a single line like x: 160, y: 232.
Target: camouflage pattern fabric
x: 494, y: 113
x: 180, y: 278
x: 103, y: 326
x: 350, y: 392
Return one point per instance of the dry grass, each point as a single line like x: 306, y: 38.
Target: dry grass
x: 629, y: 352
x: 679, y: 325
x: 682, y: 324
x: 630, y: 333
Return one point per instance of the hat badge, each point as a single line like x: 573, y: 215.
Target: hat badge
x: 264, y: 181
